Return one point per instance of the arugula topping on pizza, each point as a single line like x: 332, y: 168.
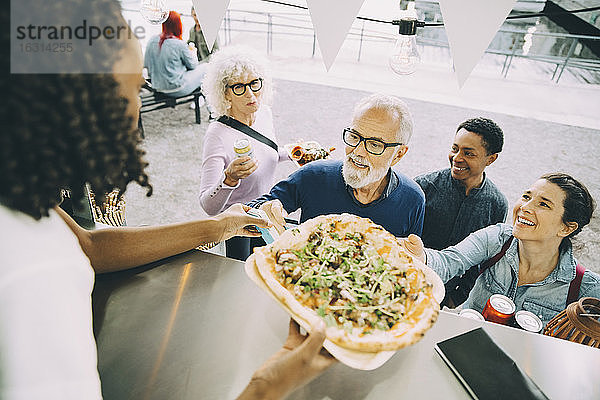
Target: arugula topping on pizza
x: 354, y: 275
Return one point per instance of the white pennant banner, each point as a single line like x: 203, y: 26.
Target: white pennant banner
x: 332, y: 20
x: 471, y: 25
x: 210, y: 14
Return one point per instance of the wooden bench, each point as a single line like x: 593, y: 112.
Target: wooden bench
x: 154, y: 100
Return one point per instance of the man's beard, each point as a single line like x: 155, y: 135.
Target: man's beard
x: 357, y: 178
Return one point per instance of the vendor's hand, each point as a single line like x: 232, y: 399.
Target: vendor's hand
x: 239, y: 168
x: 276, y: 214
x: 299, y: 361
x: 414, y: 246
x: 235, y: 221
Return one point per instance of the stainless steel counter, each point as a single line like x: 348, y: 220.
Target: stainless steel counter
x: 195, y: 327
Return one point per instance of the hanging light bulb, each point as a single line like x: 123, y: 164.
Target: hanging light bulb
x: 405, y: 57
x: 154, y: 11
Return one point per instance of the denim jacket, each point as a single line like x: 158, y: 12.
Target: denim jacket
x: 545, y: 299
x: 167, y: 65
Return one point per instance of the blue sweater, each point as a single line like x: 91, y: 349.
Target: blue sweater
x: 318, y: 188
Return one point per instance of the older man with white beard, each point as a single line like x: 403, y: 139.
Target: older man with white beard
x: 363, y: 183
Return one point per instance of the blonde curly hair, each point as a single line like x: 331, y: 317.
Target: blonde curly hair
x: 226, y: 67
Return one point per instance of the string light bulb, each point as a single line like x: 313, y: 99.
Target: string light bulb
x: 405, y: 57
x: 154, y: 11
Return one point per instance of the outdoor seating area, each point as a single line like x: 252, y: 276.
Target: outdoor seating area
x: 153, y: 100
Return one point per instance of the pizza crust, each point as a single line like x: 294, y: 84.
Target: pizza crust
x: 354, y: 359
x: 403, y: 333
x: 264, y: 261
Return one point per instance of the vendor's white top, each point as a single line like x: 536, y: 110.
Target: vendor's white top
x: 47, y: 347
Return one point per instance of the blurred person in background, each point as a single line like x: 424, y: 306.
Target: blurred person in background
x: 197, y: 38
x: 238, y: 86
x: 172, y: 65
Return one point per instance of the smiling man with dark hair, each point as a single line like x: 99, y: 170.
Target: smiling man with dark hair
x: 460, y: 200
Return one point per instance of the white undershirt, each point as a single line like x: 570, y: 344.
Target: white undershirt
x: 47, y: 347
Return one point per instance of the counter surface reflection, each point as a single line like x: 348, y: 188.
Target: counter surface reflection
x: 195, y: 327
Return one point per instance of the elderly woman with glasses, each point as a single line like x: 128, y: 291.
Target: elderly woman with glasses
x: 239, y: 88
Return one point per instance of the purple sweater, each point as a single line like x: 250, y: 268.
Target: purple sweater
x: 217, y: 154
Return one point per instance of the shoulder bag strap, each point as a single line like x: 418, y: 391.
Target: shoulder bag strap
x: 575, y: 284
x: 235, y: 124
x: 488, y: 263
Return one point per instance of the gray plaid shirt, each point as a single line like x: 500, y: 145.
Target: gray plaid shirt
x: 450, y: 215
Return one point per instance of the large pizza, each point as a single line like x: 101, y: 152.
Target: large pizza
x: 355, y: 275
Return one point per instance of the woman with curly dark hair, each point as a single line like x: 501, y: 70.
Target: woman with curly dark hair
x: 71, y: 125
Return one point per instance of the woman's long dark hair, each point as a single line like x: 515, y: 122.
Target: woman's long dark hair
x: 64, y: 130
x: 578, y: 205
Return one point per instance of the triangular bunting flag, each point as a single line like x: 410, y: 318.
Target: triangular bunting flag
x: 471, y: 26
x: 210, y: 14
x: 332, y: 20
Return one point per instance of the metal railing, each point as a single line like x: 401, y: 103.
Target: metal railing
x: 365, y: 32
x: 570, y: 42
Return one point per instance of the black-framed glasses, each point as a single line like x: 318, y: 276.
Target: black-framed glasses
x: 372, y: 145
x: 240, y: 88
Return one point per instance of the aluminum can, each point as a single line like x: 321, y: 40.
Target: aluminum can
x: 528, y: 321
x: 471, y: 314
x: 499, y: 309
x: 242, y: 148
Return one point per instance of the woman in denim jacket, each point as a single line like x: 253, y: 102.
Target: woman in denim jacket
x: 538, y: 267
x: 171, y: 64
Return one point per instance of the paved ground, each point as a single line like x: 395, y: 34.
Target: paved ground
x: 310, y: 111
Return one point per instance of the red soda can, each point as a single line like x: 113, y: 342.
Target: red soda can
x: 499, y: 309
x: 528, y: 321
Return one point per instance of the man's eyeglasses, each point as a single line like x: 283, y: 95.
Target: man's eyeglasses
x: 240, y: 88
x: 373, y: 146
